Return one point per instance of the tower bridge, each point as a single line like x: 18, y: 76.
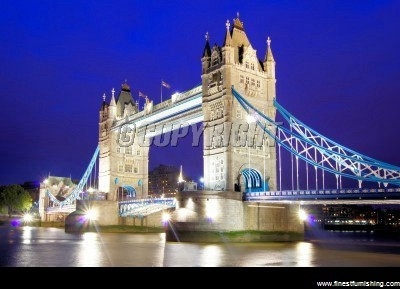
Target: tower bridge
x: 234, y: 110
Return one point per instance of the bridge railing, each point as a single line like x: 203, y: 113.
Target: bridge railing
x: 144, y: 206
x: 57, y: 209
x: 328, y: 193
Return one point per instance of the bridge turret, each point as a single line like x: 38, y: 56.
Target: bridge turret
x: 125, y: 105
x: 269, y: 67
x: 206, y: 57
x: 112, y: 108
x: 228, y: 51
x: 236, y: 64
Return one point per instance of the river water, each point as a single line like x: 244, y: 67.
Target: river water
x: 52, y: 247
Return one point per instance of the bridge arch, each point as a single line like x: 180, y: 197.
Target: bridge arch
x: 126, y: 191
x: 253, y: 180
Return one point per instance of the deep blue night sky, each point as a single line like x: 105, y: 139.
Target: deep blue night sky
x: 337, y: 63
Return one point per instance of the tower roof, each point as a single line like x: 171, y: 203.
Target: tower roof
x: 125, y: 87
x: 124, y: 98
x: 239, y: 37
x: 237, y: 23
x: 236, y: 37
x: 207, y: 48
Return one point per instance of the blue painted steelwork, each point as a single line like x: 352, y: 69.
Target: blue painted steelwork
x: 319, y: 151
x: 131, y: 191
x: 71, y: 197
x: 252, y: 179
x: 144, y: 207
x: 393, y: 193
x: 190, y: 104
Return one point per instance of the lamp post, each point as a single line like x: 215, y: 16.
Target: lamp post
x: 201, y: 183
x: 250, y: 119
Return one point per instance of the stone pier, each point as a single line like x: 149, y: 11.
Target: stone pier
x: 210, y: 216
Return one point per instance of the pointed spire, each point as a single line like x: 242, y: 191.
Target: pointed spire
x: 207, y: 48
x: 112, y: 101
x: 125, y: 86
x: 268, y: 54
x: 103, y: 103
x: 237, y: 23
x: 228, y: 38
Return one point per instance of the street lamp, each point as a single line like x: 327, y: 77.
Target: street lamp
x: 250, y: 119
x: 201, y: 183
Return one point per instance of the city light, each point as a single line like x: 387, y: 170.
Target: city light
x: 91, y: 214
x: 302, y: 215
x: 165, y: 218
x: 27, y: 218
x: 212, y: 208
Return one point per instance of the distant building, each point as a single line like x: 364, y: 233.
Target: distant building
x: 190, y: 186
x: 163, y: 180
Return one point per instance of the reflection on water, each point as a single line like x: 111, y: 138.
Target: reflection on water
x: 211, y: 256
x: 89, y: 251
x: 48, y: 247
x: 304, y: 254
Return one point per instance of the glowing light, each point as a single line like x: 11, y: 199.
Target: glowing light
x: 165, y: 218
x: 190, y: 204
x: 302, y: 215
x: 185, y: 215
x: 91, y: 214
x: 180, y: 178
x: 250, y: 118
x: 212, y: 208
x: 46, y: 181
x: 27, y: 218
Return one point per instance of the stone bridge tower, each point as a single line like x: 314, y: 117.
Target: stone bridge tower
x: 123, y: 163
x: 237, y: 155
